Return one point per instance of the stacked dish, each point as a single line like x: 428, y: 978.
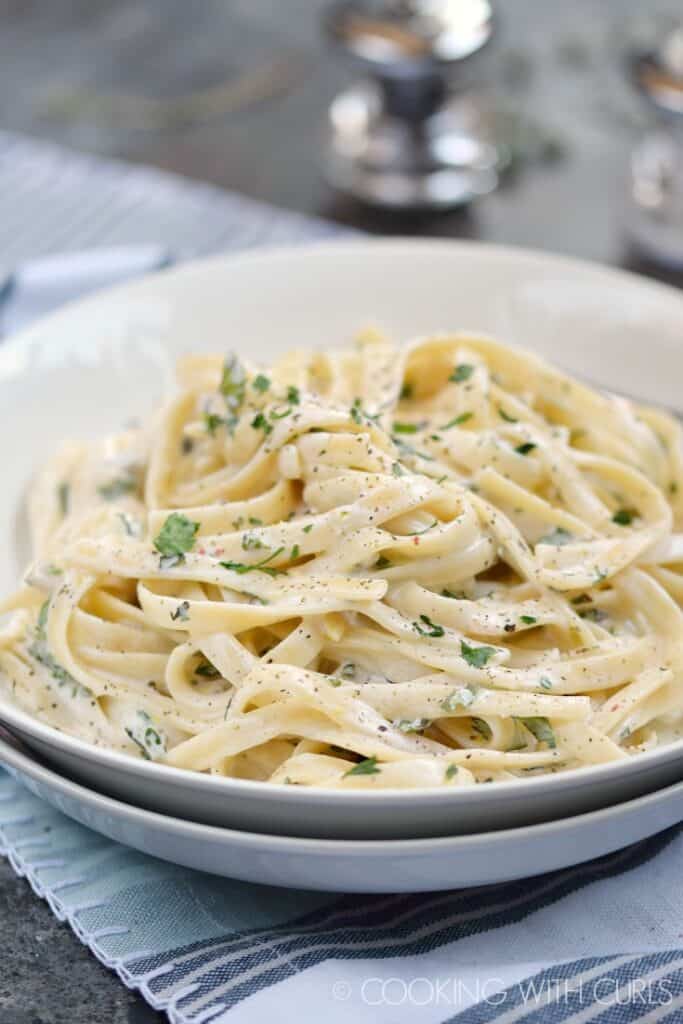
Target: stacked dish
x: 325, y: 599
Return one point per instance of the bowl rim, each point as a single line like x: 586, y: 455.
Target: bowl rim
x: 404, y: 244
x: 23, y: 761
x: 173, y: 277
x: 571, y: 778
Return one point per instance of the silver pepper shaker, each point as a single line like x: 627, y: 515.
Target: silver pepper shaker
x: 409, y: 135
x: 655, y: 223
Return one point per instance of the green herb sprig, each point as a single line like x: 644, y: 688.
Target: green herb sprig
x: 477, y: 657
x: 428, y: 628
x: 242, y: 567
x: 541, y: 729
x: 366, y: 767
x: 462, y: 372
x: 175, y: 539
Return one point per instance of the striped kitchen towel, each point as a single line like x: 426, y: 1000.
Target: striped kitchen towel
x: 599, y: 942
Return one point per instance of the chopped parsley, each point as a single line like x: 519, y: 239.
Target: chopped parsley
x: 476, y: 656
x: 260, y: 422
x: 293, y: 395
x: 233, y: 383
x: 308, y: 528
x: 528, y: 620
x: 451, y: 772
x: 175, y: 539
x: 406, y: 390
x: 541, y: 729
x: 366, y: 767
x: 212, y: 421
x: 262, y: 566
x: 359, y: 415
x: 412, y: 725
x: 150, y: 740
x: 42, y: 620
x: 461, y: 698
x: 425, y: 529
x: 275, y: 415
x: 463, y: 371
x: 456, y: 595
x: 39, y: 650
x: 397, y: 469
x: 260, y: 383
x: 557, y: 537
x: 524, y: 449
x: 405, y: 428
x: 429, y: 628
x: 295, y: 552
x: 117, y: 488
x: 504, y: 416
x: 382, y: 562
x: 457, y: 420
x: 624, y: 516
x: 251, y: 543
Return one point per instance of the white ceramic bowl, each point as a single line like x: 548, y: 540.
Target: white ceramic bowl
x: 347, y: 865
x: 98, y: 362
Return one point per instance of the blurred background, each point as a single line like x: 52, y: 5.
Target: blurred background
x: 554, y: 125
x: 238, y: 93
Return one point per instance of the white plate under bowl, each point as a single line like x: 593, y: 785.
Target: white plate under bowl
x: 348, y: 865
x: 95, y: 364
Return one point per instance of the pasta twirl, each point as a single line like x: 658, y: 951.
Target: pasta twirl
x: 437, y: 565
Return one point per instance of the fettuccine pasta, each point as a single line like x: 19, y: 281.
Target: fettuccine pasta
x: 437, y: 565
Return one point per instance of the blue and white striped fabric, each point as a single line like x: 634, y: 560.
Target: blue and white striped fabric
x: 601, y: 942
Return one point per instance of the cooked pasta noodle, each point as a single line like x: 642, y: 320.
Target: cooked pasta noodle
x: 437, y: 565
